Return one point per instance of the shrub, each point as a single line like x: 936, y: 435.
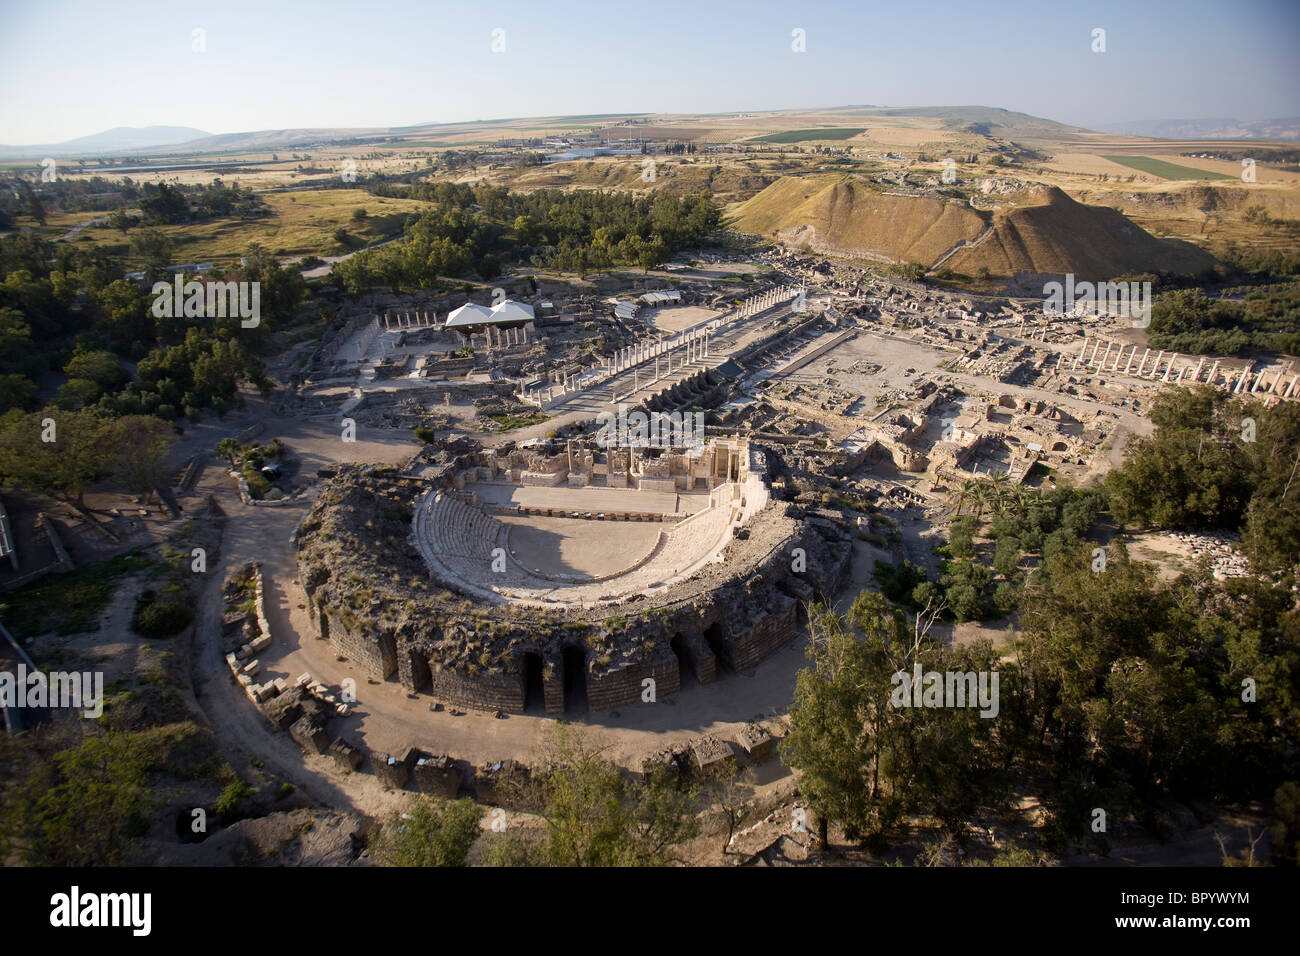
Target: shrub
x: 228, y: 803
x: 165, y: 618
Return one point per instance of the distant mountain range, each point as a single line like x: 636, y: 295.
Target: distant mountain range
x: 117, y: 140
x: 976, y: 119
x: 1209, y: 129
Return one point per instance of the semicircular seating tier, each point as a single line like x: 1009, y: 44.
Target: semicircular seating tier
x: 467, y: 549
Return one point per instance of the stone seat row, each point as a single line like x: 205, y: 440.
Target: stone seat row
x: 457, y: 540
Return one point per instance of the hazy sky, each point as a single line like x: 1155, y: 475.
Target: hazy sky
x: 70, y: 69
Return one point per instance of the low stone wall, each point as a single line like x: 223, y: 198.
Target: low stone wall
x: 765, y: 635
x: 493, y: 692
x: 376, y: 651
x: 625, y: 687
x: 259, y: 600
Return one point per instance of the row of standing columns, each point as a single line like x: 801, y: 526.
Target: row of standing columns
x: 689, y: 348
x: 695, y: 343
x: 493, y: 336
x: 692, y: 347
x: 1247, y: 382
x: 409, y: 320
x: 767, y: 300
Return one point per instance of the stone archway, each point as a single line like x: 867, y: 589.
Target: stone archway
x: 534, y: 688
x: 575, y: 679
x: 686, y: 663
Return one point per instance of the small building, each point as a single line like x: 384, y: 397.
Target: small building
x: 472, y: 319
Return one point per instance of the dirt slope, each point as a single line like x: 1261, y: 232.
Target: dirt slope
x: 1058, y: 235
x: 1038, y: 229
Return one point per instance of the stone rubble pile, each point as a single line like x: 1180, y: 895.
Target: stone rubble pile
x: 1225, y: 560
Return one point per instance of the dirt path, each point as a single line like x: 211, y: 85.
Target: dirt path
x: 385, y: 717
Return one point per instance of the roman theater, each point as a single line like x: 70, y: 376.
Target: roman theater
x: 563, y: 575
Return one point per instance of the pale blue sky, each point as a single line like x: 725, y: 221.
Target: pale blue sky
x: 70, y: 69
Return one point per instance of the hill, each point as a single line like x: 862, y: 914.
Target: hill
x: 1036, y: 229
x: 116, y: 140
x: 1058, y: 235
x: 1280, y: 129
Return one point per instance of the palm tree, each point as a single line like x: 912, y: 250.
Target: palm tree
x: 967, y: 491
x: 983, y: 495
x: 228, y: 448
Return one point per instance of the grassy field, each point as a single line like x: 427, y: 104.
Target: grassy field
x: 1158, y: 167
x: 301, y: 223
x: 69, y: 603
x: 809, y: 135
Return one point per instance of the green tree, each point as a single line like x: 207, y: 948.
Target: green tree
x: 143, y: 442
x: 153, y: 248
x: 119, y: 220
x: 1286, y: 829
x: 35, y: 208
x: 1006, y: 557
x: 596, y: 816
x: 429, y: 833
x: 126, y: 312
x: 99, y: 366
x: 230, y: 449
x: 863, y: 760
x: 82, y: 451
x: 76, y: 802
x: 841, y: 720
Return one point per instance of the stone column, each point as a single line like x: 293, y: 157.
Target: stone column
x: 1214, y: 373
x: 1197, y: 374
x: 1106, y: 355
x: 1156, y: 368
x: 1170, y: 367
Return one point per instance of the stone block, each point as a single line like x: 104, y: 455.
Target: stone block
x: 345, y: 755
x: 284, y: 710
x: 710, y: 752
x: 755, y: 741
x: 393, y: 771
x: 310, y: 735
x: 437, y: 775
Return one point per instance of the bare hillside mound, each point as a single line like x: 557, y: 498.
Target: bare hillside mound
x: 1040, y: 230
x: 848, y: 217
x: 1058, y: 235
